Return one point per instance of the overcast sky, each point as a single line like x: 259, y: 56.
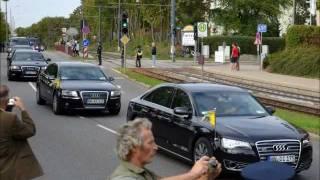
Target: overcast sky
x: 27, y: 12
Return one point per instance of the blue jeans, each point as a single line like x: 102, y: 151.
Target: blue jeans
x: 154, y: 58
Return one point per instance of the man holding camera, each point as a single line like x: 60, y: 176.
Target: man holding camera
x: 17, y: 161
x: 136, y: 148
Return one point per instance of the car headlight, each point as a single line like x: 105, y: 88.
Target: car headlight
x: 14, y: 67
x: 230, y: 143
x: 69, y: 93
x: 115, y: 93
x: 43, y: 67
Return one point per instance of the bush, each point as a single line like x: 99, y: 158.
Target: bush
x: 295, y: 61
x: 246, y: 43
x: 301, y: 35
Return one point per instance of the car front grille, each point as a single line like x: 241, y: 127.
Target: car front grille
x: 94, y: 98
x: 30, y: 68
x: 271, y: 148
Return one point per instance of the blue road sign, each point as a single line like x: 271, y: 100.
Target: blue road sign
x: 262, y: 28
x: 85, y: 42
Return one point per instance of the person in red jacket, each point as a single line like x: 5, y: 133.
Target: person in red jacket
x: 234, y: 56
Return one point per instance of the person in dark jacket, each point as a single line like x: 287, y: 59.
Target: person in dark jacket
x: 139, y: 56
x: 17, y: 161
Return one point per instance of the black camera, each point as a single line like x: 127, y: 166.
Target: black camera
x: 10, y: 105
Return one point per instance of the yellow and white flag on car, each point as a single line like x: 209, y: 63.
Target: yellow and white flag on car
x: 212, y: 118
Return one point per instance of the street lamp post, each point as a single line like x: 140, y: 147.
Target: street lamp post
x: 119, y: 34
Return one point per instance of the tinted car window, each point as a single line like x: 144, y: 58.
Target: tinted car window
x: 52, y: 70
x: 228, y: 103
x: 161, y: 96
x: 28, y: 56
x: 181, y: 99
x: 19, y: 41
x: 81, y: 73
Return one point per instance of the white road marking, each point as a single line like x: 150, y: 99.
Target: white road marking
x: 33, y: 87
x: 108, y: 129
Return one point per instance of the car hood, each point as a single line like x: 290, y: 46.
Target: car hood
x: 29, y: 63
x: 256, y: 128
x: 87, y: 85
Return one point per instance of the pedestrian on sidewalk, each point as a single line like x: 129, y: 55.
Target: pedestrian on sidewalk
x: 99, y: 51
x: 17, y: 161
x: 139, y: 56
x: 154, y: 54
x: 234, y: 55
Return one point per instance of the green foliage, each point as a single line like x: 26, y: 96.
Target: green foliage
x: 3, y: 25
x: 246, y: 43
x: 242, y: 16
x: 301, y: 35
x: 308, y: 122
x: 295, y: 61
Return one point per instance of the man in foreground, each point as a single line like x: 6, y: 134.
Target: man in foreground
x: 136, y: 148
x: 17, y: 161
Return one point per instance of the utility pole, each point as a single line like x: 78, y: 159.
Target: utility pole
x: 99, y: 24
x: 294, y: 12
x: 173, y: 28
x: 119, y: 34
x: 6, y: 23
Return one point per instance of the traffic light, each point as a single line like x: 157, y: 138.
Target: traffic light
x: 195, y: 31
x: 124, y: 23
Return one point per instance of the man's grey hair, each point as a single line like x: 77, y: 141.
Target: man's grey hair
x: 130, y: 136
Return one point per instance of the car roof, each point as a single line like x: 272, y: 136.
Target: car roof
x: 75, y: 64
x: 26, y: 50
x: 200, y: 87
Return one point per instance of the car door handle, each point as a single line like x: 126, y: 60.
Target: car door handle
x: 144, y: 110
x: 161, y: 117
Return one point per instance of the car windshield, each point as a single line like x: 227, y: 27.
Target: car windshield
x: 81, y: 73
x: 19, y: 41
x: 228, y: 103
x: 28, y: 56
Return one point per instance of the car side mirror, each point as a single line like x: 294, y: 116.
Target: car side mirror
x: 270, y: 109
x: 48, y: 59
x: 111, y: 78
x: 183, y: 111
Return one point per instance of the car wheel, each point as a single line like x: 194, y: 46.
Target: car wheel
x: 114, y: 111
x: 40, y: 101
x: 10, y: 78
x: 201, y: 148
x: 56, y: 106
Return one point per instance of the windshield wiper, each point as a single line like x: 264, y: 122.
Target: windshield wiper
x: 258, y: 116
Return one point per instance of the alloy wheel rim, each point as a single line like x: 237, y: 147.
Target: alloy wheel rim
x: 200, y: 150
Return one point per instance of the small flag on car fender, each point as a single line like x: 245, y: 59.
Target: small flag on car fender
x: 212, y: 118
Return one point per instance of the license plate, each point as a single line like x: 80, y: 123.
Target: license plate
x: 285, y: 158
x: 95, y: 101
x: 30, y: 72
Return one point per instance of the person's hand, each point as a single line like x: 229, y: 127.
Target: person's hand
x: 18, y: 103
x: 216, y: 171
x: 200, y: 167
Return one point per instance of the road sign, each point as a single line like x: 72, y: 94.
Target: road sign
x: 202, y: 29
x: 125, y: 39
x: 85, y: 42
x: 262, y: 28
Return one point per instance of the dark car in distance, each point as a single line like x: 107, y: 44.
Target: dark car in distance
x: 78, y: 86
x: 26, y: 63
x: 245, y: 131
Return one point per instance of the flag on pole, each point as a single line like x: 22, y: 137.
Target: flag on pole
x: 212, y: 118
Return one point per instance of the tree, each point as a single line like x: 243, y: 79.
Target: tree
x: 242, y: 16
x: 3, y: 26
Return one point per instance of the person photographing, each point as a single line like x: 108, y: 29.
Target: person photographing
x: 17, y: 161
x: 136, y: 148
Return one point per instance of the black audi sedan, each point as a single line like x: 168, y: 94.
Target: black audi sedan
x: 245, y: 131
x: 75, y: 85
x: 26, y: 63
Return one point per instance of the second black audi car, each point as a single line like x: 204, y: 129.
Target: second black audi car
x: 74, y: 85
x: 245, y: 131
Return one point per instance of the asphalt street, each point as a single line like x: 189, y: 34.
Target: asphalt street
x: 82, y: 145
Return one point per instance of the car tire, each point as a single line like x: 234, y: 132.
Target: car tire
x: 56, y: 106
x: 114, y: 111
x: 40, y: 100
x: 202, y: 147
x: 10, y: 78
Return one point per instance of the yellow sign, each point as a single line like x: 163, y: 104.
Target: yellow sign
x: 57, y: 83
x: 124, y: 39
x: 212, y: 118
